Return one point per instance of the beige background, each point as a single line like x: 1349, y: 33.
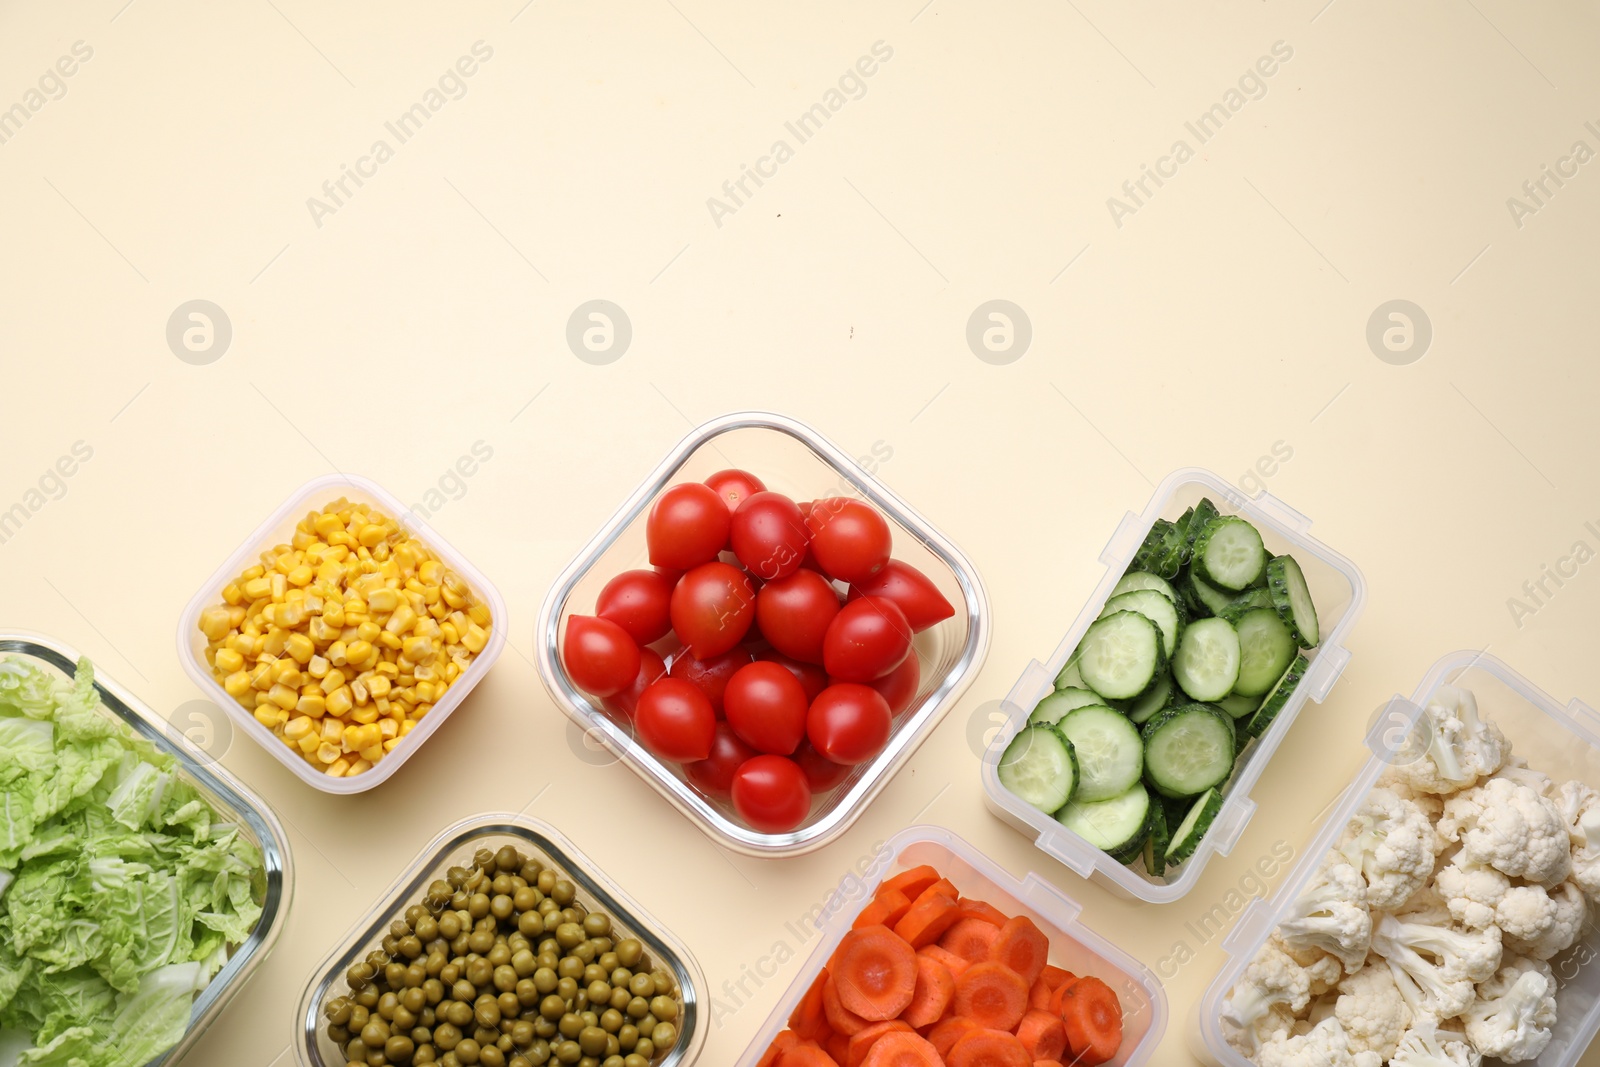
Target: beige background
x: 428, y: 313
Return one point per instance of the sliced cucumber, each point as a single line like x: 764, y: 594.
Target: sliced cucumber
x: 1039, y: 766
x: 1053, y: 706
x: 1155, y: 842
x: 1120, y: 655
x: 1278, y: 697
x: 1286, y: 583
x: 1152, y: 700
x: 1188, y: 749
x: 1203, y: 597
x: 1266, y: 648
x: 1116, y: 824
x: 1110, y: 753
x: 1144, y: 580
x: 1229, y: 553
x: 1161, y: 553
x: 1186, y: 838
x: 1240, y: 707
x: 1207, y: 661
x: 1199, y: 515
x: 1153, y: 606
x: 1245, y: 602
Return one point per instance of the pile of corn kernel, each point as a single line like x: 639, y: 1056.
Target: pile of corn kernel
x: 341, y: 641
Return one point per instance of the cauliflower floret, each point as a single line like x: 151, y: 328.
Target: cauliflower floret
x: 1472, y: 891
x: 1325, y: 1045
x: 1461, y: 747
x: 1580, y: 808
x: 1510, y: 827
x: 1562, y: 913
x: 1472, y: 955
x: 1427, y: 1045
x: 1516, y: 768
x: 1331, y: 915
x: 1273, y: 981
x: 1515, y: 1012
x: 1431, y: 990
x: 1426, y: 905
x: 1370, y: 1009
x: 1392, y: 842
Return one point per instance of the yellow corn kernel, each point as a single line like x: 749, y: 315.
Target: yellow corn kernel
x: 431, y: 572
x: 261, y: 677
x: 378, y: 686
x: 360, y: 766
x: 287, y: 672
x: 338, y: 702
x: 452, y: 596
x: 300, y: 647
x: 334, y: 679
x: 479, y: 613
x: 267, y: 716
x: 333, y: 613
x: 338, y: 654
x: 389, y: 728
x: 424, y: 692
x: 291, y: 613
x: 320, y: 632
x: 283, y: 696
x: 389, y: 745
x: 389, y: 641
x: 297, y: 727
x: 309, y: 744
x: 371, y: 754
x: 300, y: 576
x: 452, y: 671
x: 280, y: 585
x: 327, y: 524
x: 448, y: 632
x: 356, y: 653
x: 383, y: 599
x: 257, y: 588
x: 214, y: 623
x: 318, y: 667
x: 338, y: 769
x: 474, y: 639
x: 407, y: 726
x: 242, y: 643
x: 228, y: 660
x: 417, y: 649
x: 420, y: 710
x: 232, y: 594
x: 388, y: 670
x: 273, y: 643
x: 237, y: 684
x: 365, y: 714
x: 313, y: 705
x: 368, y: 631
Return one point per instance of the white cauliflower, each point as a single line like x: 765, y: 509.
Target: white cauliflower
x: 1472, y: 891
x: 1427, y: 1045
x: 1516, y: 768
x: 1515, y: 1012
x: 1510, y: 827
x: 1325, y: 1045
x: 1470, y: 955
x: 1563, y: 914
x: 1461, y: 747
x: 1426, y: 905
x: 1580, y: 808
x: 1370, y: 1009
x: 1332, y: 915
x: 1273, y: 981
x: 1428, y: 988
x: 1392, y: 842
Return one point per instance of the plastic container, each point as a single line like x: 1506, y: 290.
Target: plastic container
x: 313, y: 1047
x: 1072, y: 945
x: 789, y: 458
x: 1560, y: 741
x: 1339, y: 592
x: 226, y: 795
x: 276, y: 530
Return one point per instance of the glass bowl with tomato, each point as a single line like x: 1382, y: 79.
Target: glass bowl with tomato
x: 764, y: 632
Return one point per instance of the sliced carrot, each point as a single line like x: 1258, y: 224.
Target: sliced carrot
x: 1092, y: 1018
x: 902, y: 1050
x: 808, y: 1020
x: 988, y: 1048
x: 946, y: 1033
x: 945, y: 888
x: 911, y: 882
x: 936, y: 987
x: 806, y: 1055
x: 886, y: 909
x: 841, y: 1018
x: 981, y: 909
x: 862, y: 1042
x: 1022, y: 947
x: 1043, y: 1035
x: 928, y: 918
x: 952, y: 963
x: 877, y: 973
x: 992, y: 995
x: 970, y: 939
x: 1039, y: 994
x: 1046, y: 1063
x: 785, y: 1041
x: 1061, y: 991
x: 1054, y: 976
x: 838, y: 1046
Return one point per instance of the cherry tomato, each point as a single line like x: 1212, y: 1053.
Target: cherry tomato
x: 917, y: 596
x: 821, y: 774
x: 640, y: 603
x: 813, y: 679
x: 625, y: 701
x: 710, y: 676
x: 675, y: 720
x: 849, y: 723
x: 600, y: 657
x: 766, y: 706
x: 712, y: 608
x: 850, y: 540
x: 794, y: 614
x: 735, y: 486
x: 769, y: 535
x: 688, y: 526
x: 899, y: 687
x: 866, y: 640
x: 714, y: 774
x: 771, y: 794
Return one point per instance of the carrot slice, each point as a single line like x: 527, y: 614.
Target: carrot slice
x: 1092, y: 1018
x: 988, y: 1048
x: 970, y: 939
x: 877, y: 973
x: 1046, y: 1063
x: 1054, y: 976
x: 841, y: 1018
x: 992, y: 995
x: 1061, y: 991
x: 806, y: 1055
x: 1022, y: 947
x: 902, y: 1049
x: 886, y: 909
x: 911, y: 882
x: 952, y: 963
x: 1039, y: 994
x: 861, y: 1043
x: 785, y: 1041
x: 1043, y: 1035
x: 838, y: 1046
x: 936, y: 987
x: 981, y: 909
x: 948, y: 1032
x: 928, y: 918
x: 809, y: 1021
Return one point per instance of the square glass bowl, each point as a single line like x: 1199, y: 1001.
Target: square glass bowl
x: 455, y: 846
x: 790, y: 458
x: 1072, y: 945
x: 223, y: 792
x: 1562, y: 741
x: 1337, y: 589
x: 276, y: 530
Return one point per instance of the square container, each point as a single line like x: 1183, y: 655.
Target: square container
x: 793, y: 459
x: 1338, y: 591
x: 1562, y: 742
x: 454, y: 846
x: 226, y: 795
x: 277, y: 530
x: 1072, y: 945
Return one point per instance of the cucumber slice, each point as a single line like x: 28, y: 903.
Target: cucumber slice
x: 1199, y: 515
x: 1188, y: 749
x: 1286, y: 583
x: 1153, y: 606
x: 1120, y: 655
x: 1186, y: 838
x: 1240, y: 707
x: 1207, y: 662
x: 1152, y: 700
x: 1229, y: 553
x: 1266, y: 648
x: 1244, y: 603
x: 1144, y: 580
x: 1053, y: 706
x: 1203, y: 597
x: 1116, y: 824
x: 1110, y: 753
x: 1070, y: 677
x: 1039, y: 766
x: 1278, y: 697
x: 1155, y: 842
x: 1161, y: 553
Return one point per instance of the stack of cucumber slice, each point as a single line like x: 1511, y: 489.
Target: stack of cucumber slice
x: 1197, y: 650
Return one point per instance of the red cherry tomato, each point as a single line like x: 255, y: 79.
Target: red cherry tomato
x: 675, y: 720
x: 866, y: 640
x: 899, y: 687
x: 714, y: 774
x: 600, y: 657
x: 735, y: 486
x: 639, y: 602
x: 850, y: 540
x: 769, y: 535
x: 794, y: 613
x: 688, y: 526
x: 766, y: 706
x: 849, y: 723
x: 771, y: 794
x: 710, y: 676
x: 712, y: 608
x: 625, y: 701
x: 813, y: 679
x: 821, y: 774
x: 917, y: 596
